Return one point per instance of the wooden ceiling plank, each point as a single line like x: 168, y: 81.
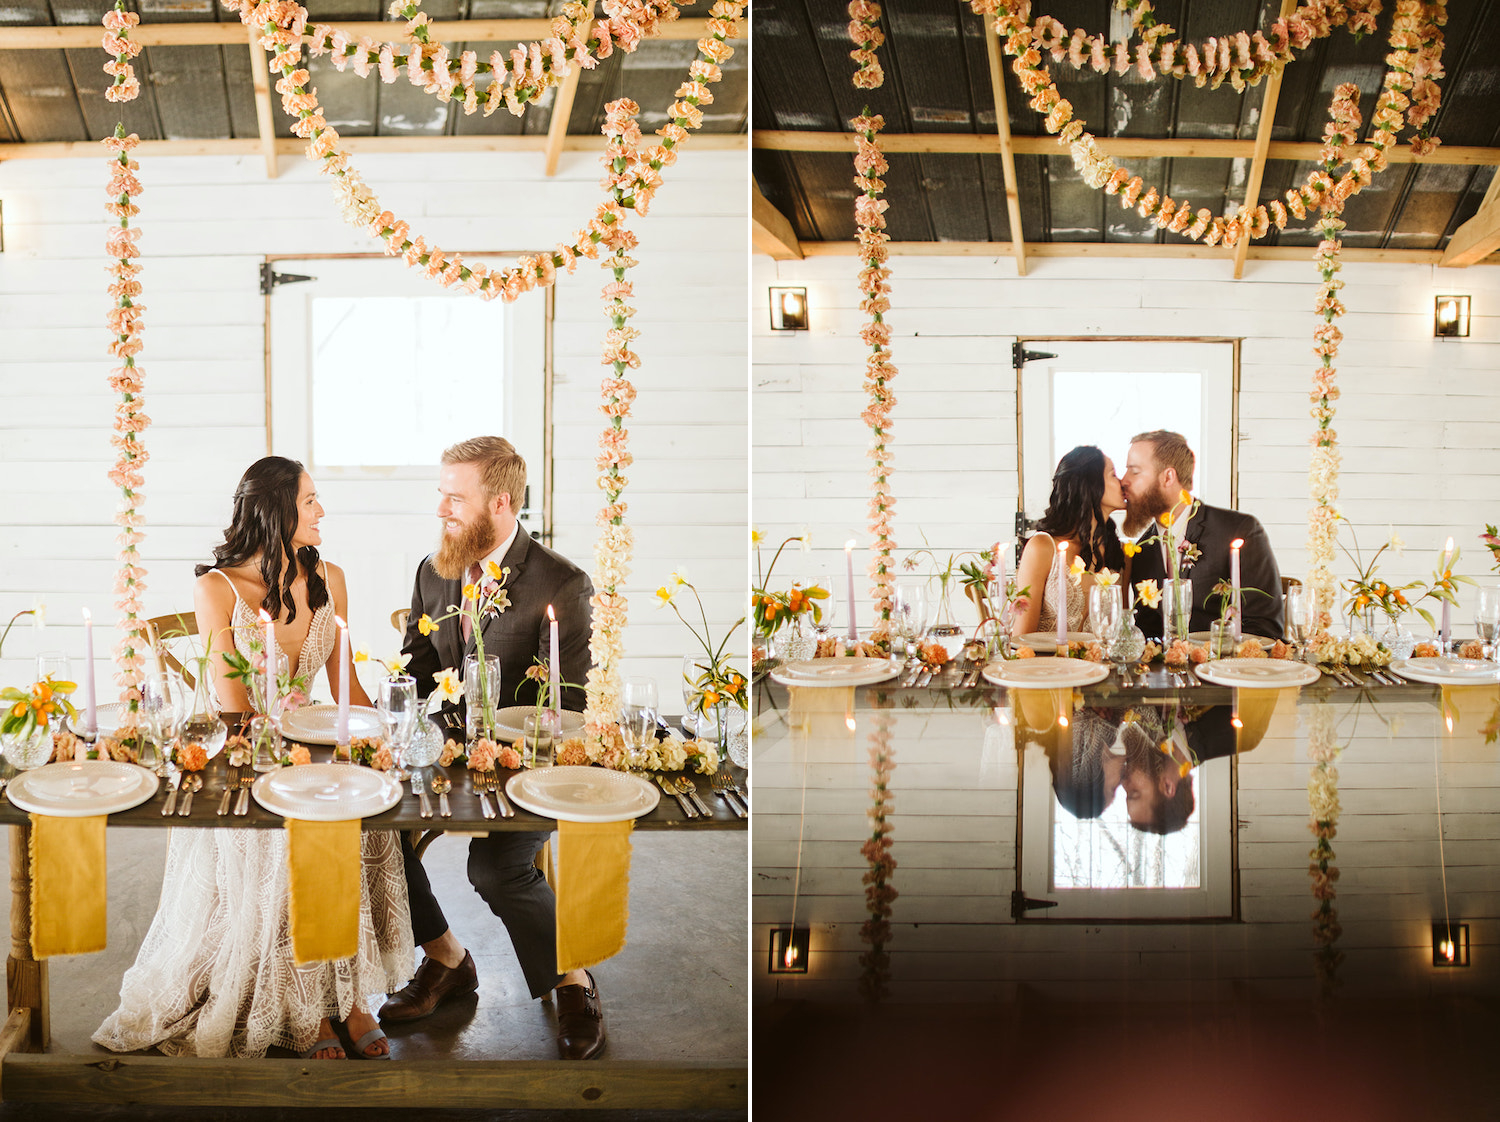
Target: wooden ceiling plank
x: 1007, y: 150
x: 1122, y: 147
x: 81, y: 149
x: 384, y: 31
x: 260, y: 76
x: 1262, y: 146
x: 771, y: 231
x: 562, y: 110
x: 1477, y: 238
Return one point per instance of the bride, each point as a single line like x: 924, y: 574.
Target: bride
x: 216, y: 975
x: 1085, y: 492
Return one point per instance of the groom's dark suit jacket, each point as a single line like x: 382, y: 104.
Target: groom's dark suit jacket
x: 518, y: 635
x: 1211, y: 530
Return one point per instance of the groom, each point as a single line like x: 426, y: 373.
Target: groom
x: 478, y: 486
x: 1157, y: 470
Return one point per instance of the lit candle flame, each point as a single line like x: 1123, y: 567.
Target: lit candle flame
x: 551, y: 614
x: 88, y: 616
x: 340, y: 622
x: 1236, y: 543
x: 1445, y: 948
x: 849, y: 546
x: 791, y: 953
x: 849, y: 723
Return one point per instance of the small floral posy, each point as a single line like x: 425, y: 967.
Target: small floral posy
x: 27, y: 711
x: 395, y: 666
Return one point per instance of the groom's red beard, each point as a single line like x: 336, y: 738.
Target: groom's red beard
x: 456, y: 553
x: 1149, y: 507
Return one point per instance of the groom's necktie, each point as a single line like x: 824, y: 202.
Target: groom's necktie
x: 475, y: 572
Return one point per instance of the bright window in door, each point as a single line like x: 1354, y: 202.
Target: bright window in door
x: 1107, y: 407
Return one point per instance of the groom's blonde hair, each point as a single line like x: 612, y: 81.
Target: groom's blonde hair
x: 502, y: 470
x: 1170, y: 450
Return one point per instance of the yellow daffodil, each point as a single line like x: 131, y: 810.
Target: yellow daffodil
x: 397, y: 663
x: 361, y: 656
x: 665, y: 594
x: 425, y: 625
x: 471, y: 592
x: 678, y: 578
x: 1149, y: 593
x: 1077, y: 569
x: 448, y: 684
x: 1130, y: 548
x: 1104, y: 578
x: 495, y: 571
x: 756, y: 537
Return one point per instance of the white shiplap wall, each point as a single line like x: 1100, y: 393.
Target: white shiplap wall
x: 1416, y: 423
x: 208, y: 221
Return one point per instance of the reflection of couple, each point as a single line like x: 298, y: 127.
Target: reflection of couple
x: 1158, y: 470
x: 216, y: 973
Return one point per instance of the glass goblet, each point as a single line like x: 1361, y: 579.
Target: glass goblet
x: 1299, y: 606
x: 1487, y: 618
x: 909, y: 614
x: 638, y: 717
x: 399, y: 709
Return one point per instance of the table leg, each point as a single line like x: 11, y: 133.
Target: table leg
x: 25, y: 977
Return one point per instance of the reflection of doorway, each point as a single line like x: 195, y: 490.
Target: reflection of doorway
x: 1104, y: 391
x: 1103, y: 869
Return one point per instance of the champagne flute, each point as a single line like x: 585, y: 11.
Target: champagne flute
x: 1105, y: 614
x: 638, y: 717
x: 1487, y: 618
x: 1299, y: 602
x: 398, y: 710
x: 909, y: 614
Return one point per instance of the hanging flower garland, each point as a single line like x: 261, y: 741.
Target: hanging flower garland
x: 869, y: 216
x: 280, y: 24
x: 875, y: 977
x: 1323, y: 806
x: 126, y: 379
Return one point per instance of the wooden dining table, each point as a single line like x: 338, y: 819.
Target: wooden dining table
x: 28, y: 1072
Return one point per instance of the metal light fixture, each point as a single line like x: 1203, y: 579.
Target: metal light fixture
x: 1450, y: 317
x: 1450, y: 944
x: 789, y: 950
x: 788, y: 309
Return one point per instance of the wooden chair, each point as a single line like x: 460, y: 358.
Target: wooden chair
x: 174, y: 626
x: 399, y: 618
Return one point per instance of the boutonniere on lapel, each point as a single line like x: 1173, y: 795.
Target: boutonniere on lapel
x: 1182, y: 558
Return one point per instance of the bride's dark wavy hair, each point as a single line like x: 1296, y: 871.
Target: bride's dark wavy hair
x: 265, y: 518
x: 1076, y: 509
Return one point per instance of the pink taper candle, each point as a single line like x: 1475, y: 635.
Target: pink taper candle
x: 90, y: 708
x: 1443, y: 631
x: 1000, y: 552
x: 342, y: 730
x: 1234, y: 583
x: 1061, y: 597
x: 853, y: 632
x: 555, y: 700
x: 270, y: 651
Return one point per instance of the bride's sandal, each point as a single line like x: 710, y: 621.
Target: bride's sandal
x: 328, y: 1043
x: 365, y: 1042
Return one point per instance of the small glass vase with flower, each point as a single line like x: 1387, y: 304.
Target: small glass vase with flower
x: 481, y: 690
x: 715, y: 693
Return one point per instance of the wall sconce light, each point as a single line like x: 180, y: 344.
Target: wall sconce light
x: 1450, y: 317
x: 1450, y: 944
x: 789, y: 950
x: 789, y: 309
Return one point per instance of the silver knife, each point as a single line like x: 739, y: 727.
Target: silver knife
x: 171, y: 803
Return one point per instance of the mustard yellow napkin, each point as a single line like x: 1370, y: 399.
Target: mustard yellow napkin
x: 593, y: 891
x: 323, y: 859
x: 67, y: 885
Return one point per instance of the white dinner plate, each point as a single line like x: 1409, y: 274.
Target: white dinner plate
x: 1204, y: 636
x: 326, y: 792
x: 1447, y: 671
x: 1044, y: 673
x: 1257, y: 673
x: 508, y: 721
x: 582, y: 794
x: 318, y: 724
x: 106, y: 717
x: 1045, y: 642
x: 829, y: 672
x: 82, y: 788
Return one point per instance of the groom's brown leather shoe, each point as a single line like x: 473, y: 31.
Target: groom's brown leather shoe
x: 580, y: 1021
x: 433, y: 984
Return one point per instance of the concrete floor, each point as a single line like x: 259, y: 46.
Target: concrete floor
x: 678, y: 991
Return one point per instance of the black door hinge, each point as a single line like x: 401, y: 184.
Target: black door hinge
x: 270, y: 278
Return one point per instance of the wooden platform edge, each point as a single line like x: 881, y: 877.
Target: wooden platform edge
x: 478, y: 1084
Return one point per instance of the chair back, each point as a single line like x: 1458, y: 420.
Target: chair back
x: 399, y: 618
x: 175, y: 627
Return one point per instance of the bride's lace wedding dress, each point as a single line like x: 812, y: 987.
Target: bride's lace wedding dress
x: 216, y: 975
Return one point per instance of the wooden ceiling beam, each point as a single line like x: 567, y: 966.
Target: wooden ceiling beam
x: 1121, y: 147
x: 1121, y: 250
x: 1263, y: 131
x: 771, y: 231
x: 562, y: 110
x: 1477, y: 238
x: 290, y: 146
x: 1007, y: 150
x: 384, y: 31
x: 260, y: 79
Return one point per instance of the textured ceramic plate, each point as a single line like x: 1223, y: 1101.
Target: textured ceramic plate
x: 835, y: 672
x: 1257, y: 673
x: 1203, y: 637
x: 326, y: 792
x: 582, y: 794
x: 82, y: 788
x: 1447, y: 671
x: 1045, y: 673
x: 318, y: 724
x: 1045, y: 642
x: 508, y: 721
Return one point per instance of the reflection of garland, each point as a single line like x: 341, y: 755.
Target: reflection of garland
x: 280, y: 23
x: 869, y: 215
x: 874, y: 981
x: 127, y: 378
x: 1323, y: 805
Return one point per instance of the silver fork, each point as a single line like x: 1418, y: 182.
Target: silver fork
x: 690, y: 789
x: 493, y: 784
x: 231, y: 784
x: 242, y: 804
x: 477, y: 785
x: 722, y: 787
